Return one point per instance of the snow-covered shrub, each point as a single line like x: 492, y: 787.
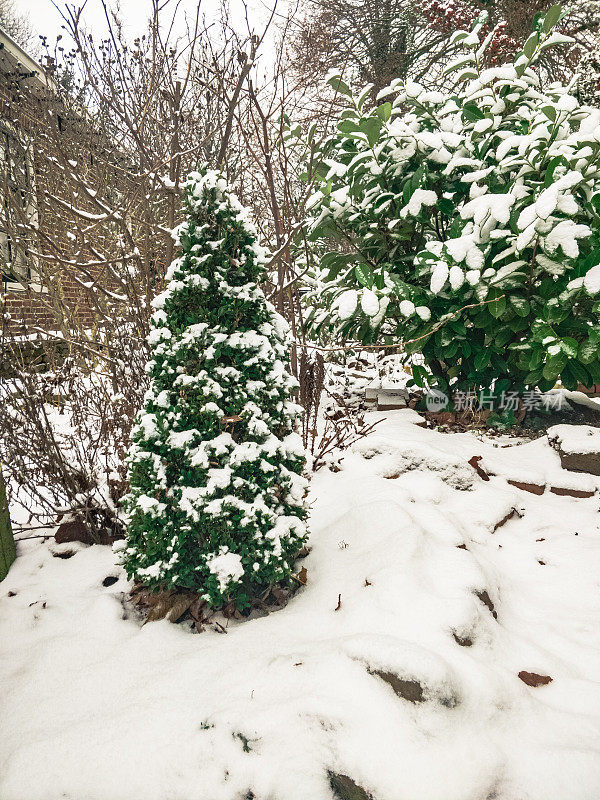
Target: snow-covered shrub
x: 217, y: 497
x: 465, y: 223
x: 65, y: 425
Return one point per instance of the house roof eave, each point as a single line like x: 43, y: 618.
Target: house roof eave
x: 30, y: 66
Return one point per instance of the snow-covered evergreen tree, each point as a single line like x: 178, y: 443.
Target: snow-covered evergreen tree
x: 217, y: 497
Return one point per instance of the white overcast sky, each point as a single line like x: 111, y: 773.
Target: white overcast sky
x: 45, y: 18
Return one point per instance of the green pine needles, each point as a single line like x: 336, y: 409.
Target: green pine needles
x: 217, y: 500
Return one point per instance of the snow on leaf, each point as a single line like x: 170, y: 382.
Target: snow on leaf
x: 346, y: 303
x: 591, y: 280
x: 369, y: 303
x: 226, y: 566
x: 546, y: 202
x: 439, y: 277
x: 565, y: 235
x: 420, y: 197
x: 457, y: 278
x: 526, y: 237
x: 407, y: 308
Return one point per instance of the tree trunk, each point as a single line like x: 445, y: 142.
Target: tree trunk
x: 8, y: 550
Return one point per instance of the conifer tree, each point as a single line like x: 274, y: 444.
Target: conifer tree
x: 217, y: 497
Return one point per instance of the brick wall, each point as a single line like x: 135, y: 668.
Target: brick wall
x: 30, y: 110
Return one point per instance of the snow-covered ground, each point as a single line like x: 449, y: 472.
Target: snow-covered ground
x: 95, y: 707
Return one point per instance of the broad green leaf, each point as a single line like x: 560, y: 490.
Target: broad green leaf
x: 520, y: 306
x: 403, y: 288
x: 467, y: 75
x: 348, y: 126
x: 536, y: 358
x: 530, y: 45
x: 568, y: 378
x: 451, y: 350
x: 338, y: 85
x: 498, y: 307
x: 537, y: 21
x: 588, y: 351
x: 419, y: 374
x: 554, y: 366
x: 364, y: 95
x: 550, y: 112
x: 472, y: 112
x: 364, y: 275
x: 384, y: 111
x: 549, y: 177
x: 552, y: 17
x: 580, y: 373
x: 499, y: 364
x: 459, y: 64
x: 569, y: 346
x: 481, y: 360
x: 533, y: 378
x: 371, y: 126
x: 417, y: 177
x: 503, y: 337
x: 594, y: 369
x: 336, y: 262
x: 554, y: 39
x: 458, y: 36
x: 518, y: 324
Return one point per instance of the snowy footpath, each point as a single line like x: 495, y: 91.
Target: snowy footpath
x: 394, y: 672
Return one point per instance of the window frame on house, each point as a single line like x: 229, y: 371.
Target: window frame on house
x: 11, y: 280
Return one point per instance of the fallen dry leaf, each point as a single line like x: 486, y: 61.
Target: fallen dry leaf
x: 533, y: 679
x: 230, y: 420
x: 171, y: 606
x: 560, y: 490
x: 410, y: 690
x: 474, y: 462
x: 512, y: 513
x: 486, y: 600
x: 532, y: 488
x: 280, y: 595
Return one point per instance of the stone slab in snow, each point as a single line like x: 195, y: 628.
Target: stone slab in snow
x: 372, y: 392
x: 578, y: 447
x: 389, y: 399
